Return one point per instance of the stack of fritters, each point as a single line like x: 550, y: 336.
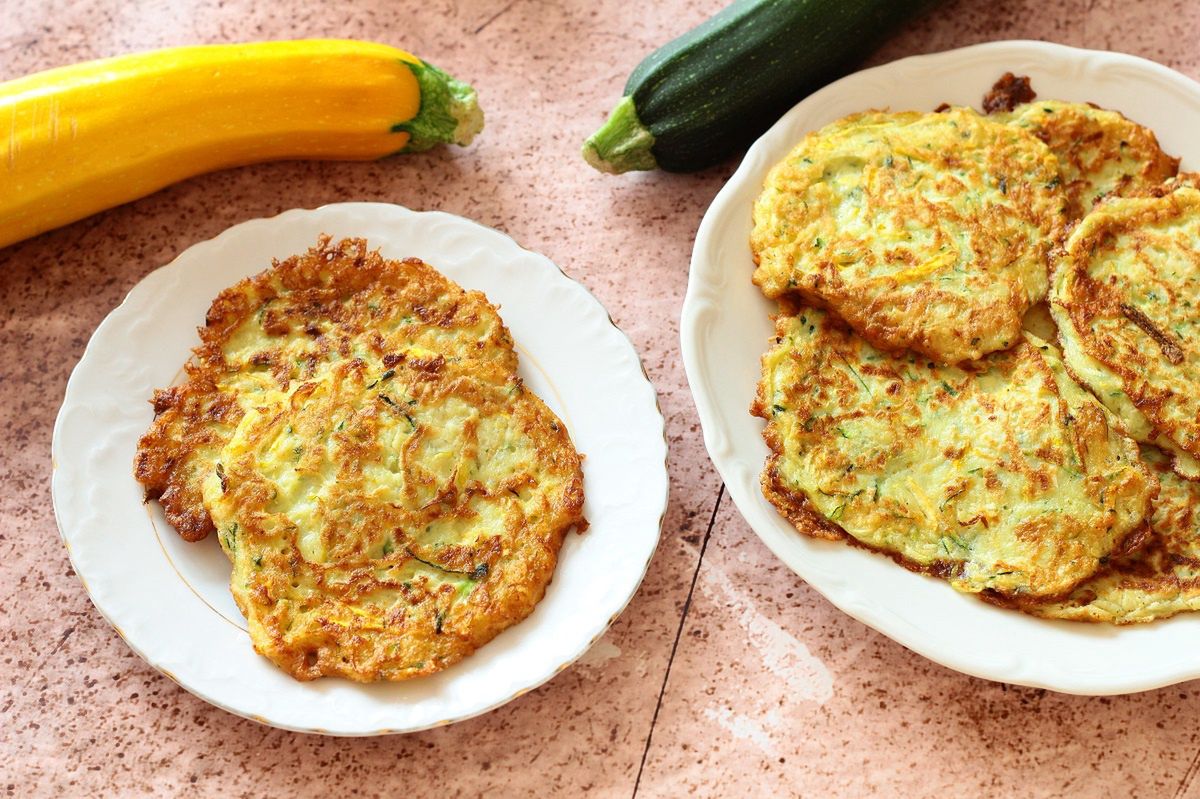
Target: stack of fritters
x: 1126, y: 298
x: 908, y: 412
x: 354, y: 430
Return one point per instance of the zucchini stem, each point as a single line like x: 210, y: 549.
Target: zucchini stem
x: 449, y: 113
x: 622, y: 143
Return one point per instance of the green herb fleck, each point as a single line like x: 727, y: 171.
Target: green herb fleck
x: 854, y: 372
x: 231, y: 536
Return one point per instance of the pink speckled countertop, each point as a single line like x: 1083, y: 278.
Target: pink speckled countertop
x: 762, y: 688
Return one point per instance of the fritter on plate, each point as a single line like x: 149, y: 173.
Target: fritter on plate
x: 291, y: 323
x: 1001, y: 475
x: 1160, y: 579
x: 384, y: 525
x: 1100, y: 153
x: 389, y: 493
x: 923, y: 231
x: 1126, y: 299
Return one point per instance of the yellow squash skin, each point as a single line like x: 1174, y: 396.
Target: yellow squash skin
x: 86, y: 137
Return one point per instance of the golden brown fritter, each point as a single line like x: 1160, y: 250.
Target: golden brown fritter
x: 289, y: 323
x: 923, y: 231
x: 389, y: 493
x: 1126, y: 299
x: 1100, y: 153
x: 1001, y: 475
x: 1160, y: 579
x: 388, y: 532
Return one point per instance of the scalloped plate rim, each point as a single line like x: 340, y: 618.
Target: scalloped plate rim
x: 637, y: 387
x: 803, y: 556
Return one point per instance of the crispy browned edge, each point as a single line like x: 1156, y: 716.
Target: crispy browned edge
x: 1008, y: 92
x: 163, y: 452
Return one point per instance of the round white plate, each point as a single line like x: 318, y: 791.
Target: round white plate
x: 170, y: 600
x: 725, y: 329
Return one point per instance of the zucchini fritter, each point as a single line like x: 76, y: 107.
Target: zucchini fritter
x: 289, y: 323
x: 923, y: 231
x: 1001, y: 475
x: 1100, y: 153
x: 1157, y: 581
x: 389, y: 493
x: 386, y: 525
x: 1126, y: 299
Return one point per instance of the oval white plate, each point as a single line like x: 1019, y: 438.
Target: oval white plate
x: 170, y: 600
x: 725, y: 329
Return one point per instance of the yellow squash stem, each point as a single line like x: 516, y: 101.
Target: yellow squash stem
x: 86, y: 137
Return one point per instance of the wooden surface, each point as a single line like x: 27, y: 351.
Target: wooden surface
x: 727, y: 675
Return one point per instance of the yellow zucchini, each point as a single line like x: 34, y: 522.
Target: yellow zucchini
x: 86, y: 137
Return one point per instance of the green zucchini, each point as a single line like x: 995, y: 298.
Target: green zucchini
x: 713, y: 90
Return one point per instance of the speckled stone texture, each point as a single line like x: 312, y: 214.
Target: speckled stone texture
x: 768, y: 689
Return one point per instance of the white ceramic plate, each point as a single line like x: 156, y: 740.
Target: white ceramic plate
x: 170, y: 600
x: 725, y: 329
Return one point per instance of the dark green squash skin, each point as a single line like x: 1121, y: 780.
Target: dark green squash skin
x: 716, y: 88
